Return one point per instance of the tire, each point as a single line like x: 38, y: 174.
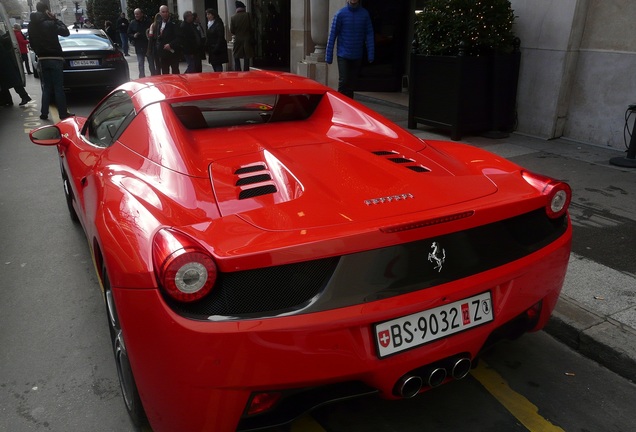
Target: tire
x: 68, y: 194
x: 127, y: 383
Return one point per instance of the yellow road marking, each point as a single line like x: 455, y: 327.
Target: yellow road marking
x: 306, y: 424
x: 520, y: 407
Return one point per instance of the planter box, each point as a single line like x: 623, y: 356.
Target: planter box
x: 463, y: 93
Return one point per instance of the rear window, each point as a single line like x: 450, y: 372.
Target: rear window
x: 245, y: 110
x: 76, y: 42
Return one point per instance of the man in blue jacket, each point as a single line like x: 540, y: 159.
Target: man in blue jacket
x: 352, y: 28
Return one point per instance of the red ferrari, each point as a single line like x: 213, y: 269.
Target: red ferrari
x: 266, y: 245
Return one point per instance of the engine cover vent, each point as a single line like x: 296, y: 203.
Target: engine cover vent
x: 395, y: 157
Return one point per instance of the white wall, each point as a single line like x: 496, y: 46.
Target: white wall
x: 576, y: 78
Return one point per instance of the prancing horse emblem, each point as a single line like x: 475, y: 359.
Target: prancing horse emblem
x: 437, y: 255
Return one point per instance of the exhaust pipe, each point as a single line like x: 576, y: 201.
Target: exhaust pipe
x: 461, y: 368
x: 408, y: 386
x: 436, y: 377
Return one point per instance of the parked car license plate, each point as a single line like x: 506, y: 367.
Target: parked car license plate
x: 422, y: 327
x: 80, y: 63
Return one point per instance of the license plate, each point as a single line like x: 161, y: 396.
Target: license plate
x: 423, y: 327
x: 80, y: 63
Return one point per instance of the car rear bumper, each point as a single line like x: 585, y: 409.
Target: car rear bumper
x: 95, y: 78
x: 197, y: 376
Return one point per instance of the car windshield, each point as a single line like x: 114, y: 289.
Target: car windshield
x: 77, y: 42
x: 253, y: 109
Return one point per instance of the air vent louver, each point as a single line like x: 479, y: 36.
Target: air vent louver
x: 256, y: 175
x: 395, y: 157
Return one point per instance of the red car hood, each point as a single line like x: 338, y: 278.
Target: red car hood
x: 325, y: 184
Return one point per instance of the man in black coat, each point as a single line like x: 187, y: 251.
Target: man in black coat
x: 10, y: 73
x: 122, y: 27
x: 44, y: 28
x: 168, y: 43
x: 137, y: 34
x: 191, y: 43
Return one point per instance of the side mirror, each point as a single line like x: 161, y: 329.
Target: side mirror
x: 46, y: 136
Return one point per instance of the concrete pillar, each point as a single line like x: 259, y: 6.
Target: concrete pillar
x: 314, y: 66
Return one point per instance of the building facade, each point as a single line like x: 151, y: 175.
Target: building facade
x: 576, y: 77
x: 577, y: 57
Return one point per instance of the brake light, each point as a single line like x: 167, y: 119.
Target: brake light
x: 558, y: 193
x: 185, y: 271
x: 117, y: 56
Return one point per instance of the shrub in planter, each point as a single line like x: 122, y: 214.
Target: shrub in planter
x: 464, y: 66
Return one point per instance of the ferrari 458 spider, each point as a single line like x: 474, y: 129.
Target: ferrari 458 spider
x: 266, y: 245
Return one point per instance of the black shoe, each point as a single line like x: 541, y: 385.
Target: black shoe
x: 7, y: 104
x: 44, y: 117
x: 25, y: 100
x: 67, y: 115
x: 30, y: 73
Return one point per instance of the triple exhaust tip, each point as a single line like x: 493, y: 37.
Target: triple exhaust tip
x: 409, y: 385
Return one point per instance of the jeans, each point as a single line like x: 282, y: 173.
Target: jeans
x: 52, y: 78
x: 124, y: 42
x: 348, y: 72
x: 190, y: 68
x: 141, y: 60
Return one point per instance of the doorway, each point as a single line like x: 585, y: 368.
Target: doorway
x: 390, y: 24
x: 272, y: 22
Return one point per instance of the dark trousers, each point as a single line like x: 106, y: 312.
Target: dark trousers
x: 237, y: 64
x: 123, y: 37
x: 169, y: 63
x: 348, y: 72
x: 27, y: 63
x: 52, y: 80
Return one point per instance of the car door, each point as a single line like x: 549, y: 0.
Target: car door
x: 82, y: 159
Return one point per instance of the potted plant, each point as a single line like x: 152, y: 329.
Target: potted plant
x: 464, y: 66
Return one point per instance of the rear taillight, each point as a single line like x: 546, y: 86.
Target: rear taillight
x: 184, y: 270
x: 116, y: 56
x: 558, y: 193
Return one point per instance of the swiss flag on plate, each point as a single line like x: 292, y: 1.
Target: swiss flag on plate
x: 384, y: 338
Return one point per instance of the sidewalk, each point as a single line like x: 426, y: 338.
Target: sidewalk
x: 596, y: 313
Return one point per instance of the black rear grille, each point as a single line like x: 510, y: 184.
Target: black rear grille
x: 375, y: 274
x: 268, y: 290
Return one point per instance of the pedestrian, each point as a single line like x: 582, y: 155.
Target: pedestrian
x: 88, y: 24
x: 242, y: 30
x: 168, y: 47
x: 44, y: 29
x: 23, y: 43
x: 109, y: 28
x: 137, y: 34
x: 122, y: 28
x: 352, y: 28
x: 216, y: 44
x: 200, y: 28
x: 190, y: 43
x: 151, y: 54
x: 11, y: 75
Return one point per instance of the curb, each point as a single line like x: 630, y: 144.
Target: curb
x: 599, y: 339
